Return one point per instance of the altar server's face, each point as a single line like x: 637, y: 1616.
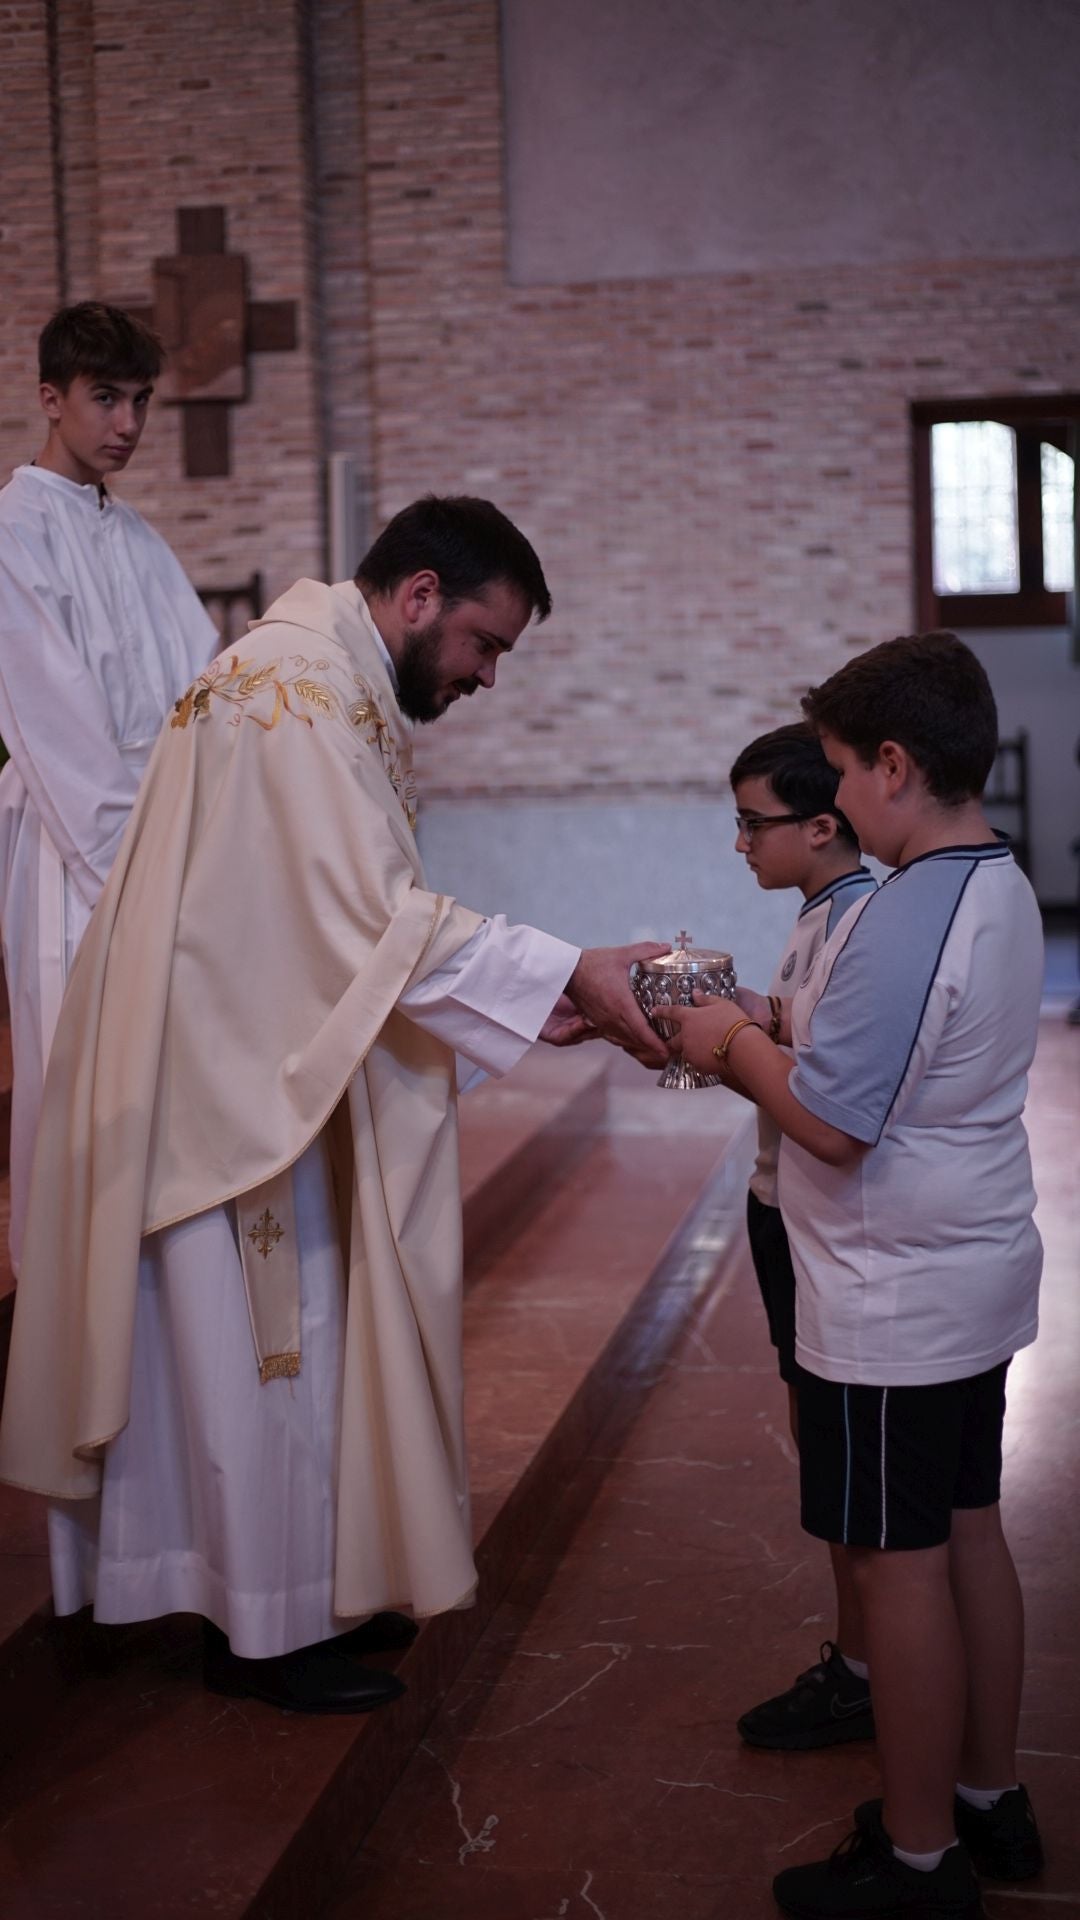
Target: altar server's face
x: 95, y: 425
x: 452, y: 650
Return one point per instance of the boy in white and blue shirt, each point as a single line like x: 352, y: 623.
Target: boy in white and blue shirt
x: 792, y: 835
x: 905, y: 1184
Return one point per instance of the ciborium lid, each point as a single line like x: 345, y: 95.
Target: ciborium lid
x: 684, y: 959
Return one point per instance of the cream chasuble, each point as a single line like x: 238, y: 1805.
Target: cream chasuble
x: 230, y: 1021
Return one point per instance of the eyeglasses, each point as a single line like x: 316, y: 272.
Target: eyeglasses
x: 748, y: 823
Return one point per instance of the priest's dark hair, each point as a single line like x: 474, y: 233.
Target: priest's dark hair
x: 929, y: 693
x: 466, y: 541
x: 791, y: 760
x: 103, y: 343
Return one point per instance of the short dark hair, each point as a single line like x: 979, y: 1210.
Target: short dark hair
x: 791, y: 760
x: 104, y: 343
x: 929, y: 693
x: 467, y: 542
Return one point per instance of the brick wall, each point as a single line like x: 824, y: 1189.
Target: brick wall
x: 716, y: 470
x: 340, y: 239
x: 75, y: 106
x: 159, y: 107
x: 28, y: 244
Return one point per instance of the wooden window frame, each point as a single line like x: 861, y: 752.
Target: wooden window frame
x: 1053, y: 417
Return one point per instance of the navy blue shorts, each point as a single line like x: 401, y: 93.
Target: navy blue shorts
x: 886, y: 1466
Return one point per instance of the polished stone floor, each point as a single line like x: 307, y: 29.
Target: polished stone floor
x: 585, y: 1763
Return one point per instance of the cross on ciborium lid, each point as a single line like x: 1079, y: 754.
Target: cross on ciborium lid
x: 684, y: 958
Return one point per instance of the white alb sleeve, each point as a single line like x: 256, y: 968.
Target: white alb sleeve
x: 491, y: 999
x: 55, y: 722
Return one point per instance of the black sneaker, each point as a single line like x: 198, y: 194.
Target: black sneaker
x: 1003, y: 1841
x: 863, y: 1877
x: 828, y: 1703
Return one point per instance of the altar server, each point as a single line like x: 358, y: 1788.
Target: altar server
x: 100, y: 630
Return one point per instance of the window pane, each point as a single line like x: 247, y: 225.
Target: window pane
x: 973, y: 466
x: 1057, y: 520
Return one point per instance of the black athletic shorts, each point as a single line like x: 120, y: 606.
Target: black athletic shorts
x: 885, y: 1466
x: 776, y: 1278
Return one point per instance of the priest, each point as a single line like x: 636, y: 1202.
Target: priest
x: 236, y: 1357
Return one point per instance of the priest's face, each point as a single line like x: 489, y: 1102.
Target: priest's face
x: 454, y: 649
x: 94, y: 426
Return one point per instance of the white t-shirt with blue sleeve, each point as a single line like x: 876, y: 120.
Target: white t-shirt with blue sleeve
x: 914, y: 1033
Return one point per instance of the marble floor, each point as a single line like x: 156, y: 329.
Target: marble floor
x: 585, y: 1762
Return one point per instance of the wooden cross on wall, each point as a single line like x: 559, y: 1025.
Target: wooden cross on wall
x: 209, y: 326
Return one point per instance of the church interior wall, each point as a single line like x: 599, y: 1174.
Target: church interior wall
x: 716, y: 468
x: 715, y: 465
x: 1037, y: 687
x: 704, y: 136
x: 334, y: 40
x: 27, y: 221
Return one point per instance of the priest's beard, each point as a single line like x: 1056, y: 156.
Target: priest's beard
x: 422, y: 691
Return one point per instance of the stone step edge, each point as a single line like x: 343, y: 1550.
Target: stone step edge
x: 513, y: 1191
x: 7, y: 1313
x: 617, y: 1383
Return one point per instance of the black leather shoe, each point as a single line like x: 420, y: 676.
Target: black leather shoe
x: 383, y: 1633
x: 317, y: 1679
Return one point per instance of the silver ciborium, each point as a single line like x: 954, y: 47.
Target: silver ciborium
x: 670, y: 981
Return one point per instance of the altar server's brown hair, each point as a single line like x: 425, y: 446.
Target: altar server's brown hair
x: 103, y: 343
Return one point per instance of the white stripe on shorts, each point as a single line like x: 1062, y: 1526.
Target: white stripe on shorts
x: 884, y: 1398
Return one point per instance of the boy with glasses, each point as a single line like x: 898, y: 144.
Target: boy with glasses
x: 792, y: 835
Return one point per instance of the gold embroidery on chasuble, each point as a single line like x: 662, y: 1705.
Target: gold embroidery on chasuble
x: 396, y: 757
x: 270, y: 1259
x: 237, y: 684
x: 265, y: 1234
x: 280, y: 1366
x: 299, y: 694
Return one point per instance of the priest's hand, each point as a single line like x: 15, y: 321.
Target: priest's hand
x: 565, y: 1026
x: 599, y: 988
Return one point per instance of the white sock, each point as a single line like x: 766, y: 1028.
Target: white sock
x: 924, y: 1862
x: 983, y: 1797
x: 858, y: 1667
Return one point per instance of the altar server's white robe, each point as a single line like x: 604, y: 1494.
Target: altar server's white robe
x: 100, y: 632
